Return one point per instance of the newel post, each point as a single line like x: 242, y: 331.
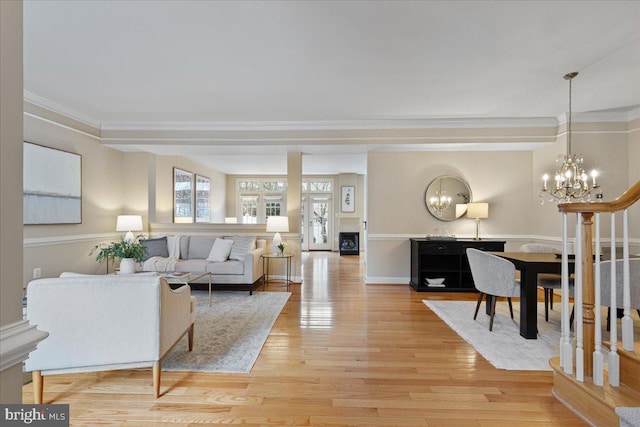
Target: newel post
x: 588, y: 294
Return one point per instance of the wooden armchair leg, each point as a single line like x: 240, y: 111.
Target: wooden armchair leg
x: 38, y: 387
x: 156, y: 377
x: 190, y: 333
x: 510, y: 307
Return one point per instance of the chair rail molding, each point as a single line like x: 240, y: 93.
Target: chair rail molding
x: 17, y: 340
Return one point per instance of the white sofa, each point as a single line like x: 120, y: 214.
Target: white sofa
x: 189, y: 253
x: 101, y: 323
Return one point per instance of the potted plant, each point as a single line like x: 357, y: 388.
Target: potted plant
x: 281, y: 246
x: 129, y: 253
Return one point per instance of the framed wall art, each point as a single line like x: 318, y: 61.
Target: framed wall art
x: 203, y: 199
x: 183, y: 192
x: 52, y: 186
x: 347, y: 199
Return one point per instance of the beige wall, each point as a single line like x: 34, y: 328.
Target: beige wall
x: 396, y: 184
x: 164, y: 187
x: 11, y: 184
x: 137, y: 185
x: 67, y: 247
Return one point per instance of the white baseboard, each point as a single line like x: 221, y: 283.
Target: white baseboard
x: 387, y: 280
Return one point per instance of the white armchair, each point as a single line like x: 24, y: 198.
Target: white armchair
x: 100, y: 323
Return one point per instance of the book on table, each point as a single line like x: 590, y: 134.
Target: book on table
x: 175, y: 274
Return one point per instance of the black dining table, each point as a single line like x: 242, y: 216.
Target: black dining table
x: 530, y: 264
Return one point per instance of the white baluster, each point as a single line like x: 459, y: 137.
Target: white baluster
x: 627, y: 322
x: 614, y: 358
x: 566, y: 350
x: 598, y: 357
x: 577, y: 300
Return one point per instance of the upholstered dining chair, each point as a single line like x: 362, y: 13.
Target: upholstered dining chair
x: 495, y: 277
x: 549, y: 282
x: 605, y: 285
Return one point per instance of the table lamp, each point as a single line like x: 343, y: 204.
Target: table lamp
x: 129, y: 223
x: 277, y: 224
x: 477, y: 211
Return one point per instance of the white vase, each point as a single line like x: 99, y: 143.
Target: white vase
x: 127, y: 266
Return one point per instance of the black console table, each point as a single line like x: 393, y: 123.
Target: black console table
x: 445, y: 259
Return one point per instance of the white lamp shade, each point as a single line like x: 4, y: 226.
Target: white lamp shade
x: 129, y: 223
x: 277, y: 224
x: 477, y: 210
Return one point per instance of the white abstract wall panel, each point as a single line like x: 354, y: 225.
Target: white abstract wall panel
x: 52, y: 183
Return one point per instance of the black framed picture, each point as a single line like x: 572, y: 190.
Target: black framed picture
x: 203, y: 197
x: 347, y: 199
x: 183, y: 191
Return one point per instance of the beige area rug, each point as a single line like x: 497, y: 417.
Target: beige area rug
x: 504, y: 348
x: 229, y: 334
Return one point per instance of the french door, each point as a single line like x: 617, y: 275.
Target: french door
x: 317, y: 222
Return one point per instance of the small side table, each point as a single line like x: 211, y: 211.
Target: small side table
x: 266, y: 259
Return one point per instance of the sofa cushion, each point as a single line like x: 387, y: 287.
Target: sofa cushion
x: 200, y: 246
x: 155, y: 247
x: 184, y: 247
x: 227, y: 267
x: 192, y: 265
x: 241, y: 246
x: 220, y: 250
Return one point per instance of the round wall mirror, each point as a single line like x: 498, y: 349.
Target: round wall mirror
x: 447, y: 197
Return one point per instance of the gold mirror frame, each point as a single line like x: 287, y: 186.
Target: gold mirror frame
x: 456, y: 188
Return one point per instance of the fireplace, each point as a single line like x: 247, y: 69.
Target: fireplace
x: 349, y: 243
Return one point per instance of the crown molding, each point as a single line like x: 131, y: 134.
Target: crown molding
x: 634, y: 114
x: 382, y: 124
x: 600, y: 116
x: 41, y: 102
x: 310, y: 125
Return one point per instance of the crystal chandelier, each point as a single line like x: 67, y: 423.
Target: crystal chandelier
x: 440, y: 202
x: 571, y: 183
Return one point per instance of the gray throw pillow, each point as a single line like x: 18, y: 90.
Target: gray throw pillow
x: 241, y: 246
x: 155, y: 247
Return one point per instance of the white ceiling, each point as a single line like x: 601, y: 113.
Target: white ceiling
x: 149, y: 64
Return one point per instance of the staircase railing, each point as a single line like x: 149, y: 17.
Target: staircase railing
x: 586, y: 347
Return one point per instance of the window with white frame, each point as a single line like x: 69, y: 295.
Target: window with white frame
x: 317, y: 186
x: 261, y: 198
x: 249, y: 206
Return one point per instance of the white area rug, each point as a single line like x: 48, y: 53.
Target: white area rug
x: 504, y: 348
x: 229, y: 334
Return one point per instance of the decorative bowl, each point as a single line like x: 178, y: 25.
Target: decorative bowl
x: 435, y: 281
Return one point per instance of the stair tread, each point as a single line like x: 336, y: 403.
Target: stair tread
x: 613, y: 396
x: 635, y: 354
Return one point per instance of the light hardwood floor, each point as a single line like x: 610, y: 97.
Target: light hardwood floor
x: 341, y: 353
